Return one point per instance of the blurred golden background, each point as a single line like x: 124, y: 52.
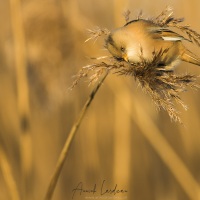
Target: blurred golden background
x: 122, y: 139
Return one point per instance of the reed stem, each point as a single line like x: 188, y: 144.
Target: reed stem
x: 69, y: 140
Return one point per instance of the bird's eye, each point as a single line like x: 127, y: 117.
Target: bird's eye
x: 122, y: 49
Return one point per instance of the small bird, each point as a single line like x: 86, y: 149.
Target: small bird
x: 127, y: 43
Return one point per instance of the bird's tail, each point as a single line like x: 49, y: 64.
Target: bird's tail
x: 188, y: 56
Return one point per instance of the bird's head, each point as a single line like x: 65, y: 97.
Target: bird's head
x: 117, y: 44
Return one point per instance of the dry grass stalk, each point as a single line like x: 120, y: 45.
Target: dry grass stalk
x: 96, y: 33
x: 163, y: 85
x: 19, y: 52
x: 68, y: 142
x: 7, y: 173
x: 126, y: 15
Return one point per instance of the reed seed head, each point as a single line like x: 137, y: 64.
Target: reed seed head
x: 163, y: 86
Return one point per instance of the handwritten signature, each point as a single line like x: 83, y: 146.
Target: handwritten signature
x: 103, y: 190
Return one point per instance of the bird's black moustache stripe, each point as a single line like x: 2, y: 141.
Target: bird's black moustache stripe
x: 110, y: 40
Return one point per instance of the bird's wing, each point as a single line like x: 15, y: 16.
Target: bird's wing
x: 165, y: 34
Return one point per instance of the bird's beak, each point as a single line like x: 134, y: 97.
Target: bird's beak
x: 125, y: 57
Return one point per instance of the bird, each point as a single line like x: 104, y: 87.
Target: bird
x: 144, y: 37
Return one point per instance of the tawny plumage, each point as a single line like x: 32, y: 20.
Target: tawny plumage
x: 143, y: 36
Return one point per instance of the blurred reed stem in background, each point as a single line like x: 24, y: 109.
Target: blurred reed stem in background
x: 19, y: 46
x: 8, y: 176
x: 122, y: 140
x: 70, y: 10
x: 119, y: 7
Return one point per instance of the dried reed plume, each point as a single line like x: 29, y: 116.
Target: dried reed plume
x: 163, y: 85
